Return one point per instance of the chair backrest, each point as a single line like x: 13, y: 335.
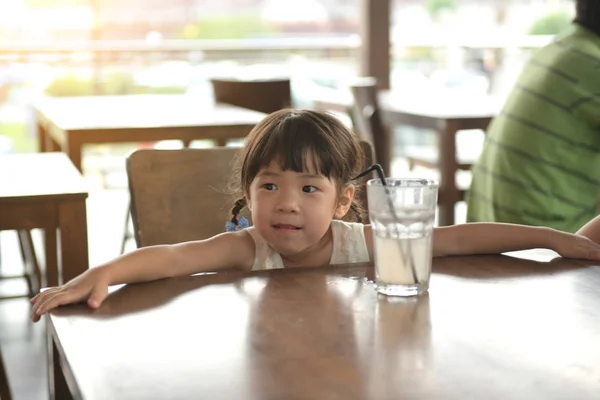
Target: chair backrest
x: 361, y: 185
x: 265, y: 96
x: 367, y: 121
x: 179, y: 195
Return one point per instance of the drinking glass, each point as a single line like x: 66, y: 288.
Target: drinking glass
x: 402, y: 214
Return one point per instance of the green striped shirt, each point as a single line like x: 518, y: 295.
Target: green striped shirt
x: 540, y: 164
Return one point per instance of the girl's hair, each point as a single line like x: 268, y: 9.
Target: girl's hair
x: 588, y: 15
x: 290, y: 136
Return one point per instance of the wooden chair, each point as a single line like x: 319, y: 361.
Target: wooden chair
x: 4, y: 387
x: 180, y: 195
x: 361, y: 185
x: 367, y: 121
x: 260, y: 95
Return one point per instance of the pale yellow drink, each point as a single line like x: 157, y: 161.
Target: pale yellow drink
x: 393, y: 258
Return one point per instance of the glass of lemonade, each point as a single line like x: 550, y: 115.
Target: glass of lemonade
x: 402, y: 215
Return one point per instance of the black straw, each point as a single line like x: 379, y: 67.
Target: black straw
x: 375, y: 167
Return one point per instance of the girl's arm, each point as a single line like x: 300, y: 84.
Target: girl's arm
x: 591, y: 230
x: 224, y: 251
x: 494, y: 238
x: 167, y: 261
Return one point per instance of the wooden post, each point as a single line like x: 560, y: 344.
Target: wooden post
x: 375, y: 37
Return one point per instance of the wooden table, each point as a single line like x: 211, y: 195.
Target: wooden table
x: 492, y: 327
x: 46, y: 191
x: 67, y: 124
x: 445, y: 114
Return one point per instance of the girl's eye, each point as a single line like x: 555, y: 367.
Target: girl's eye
x: 309, y: 189
x: 269, y: 186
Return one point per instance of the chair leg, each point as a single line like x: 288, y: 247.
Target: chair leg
x: 23, y: 251
x: 126, y: 235
x: 4, y: 387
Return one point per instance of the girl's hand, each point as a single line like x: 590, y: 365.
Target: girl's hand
x: 91, y: 286
x: 570, y: 245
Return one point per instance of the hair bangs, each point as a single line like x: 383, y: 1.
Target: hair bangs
x: 297, y: 145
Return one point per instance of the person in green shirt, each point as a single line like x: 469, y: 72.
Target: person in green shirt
x: 540, y: 164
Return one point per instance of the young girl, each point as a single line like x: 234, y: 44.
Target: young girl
x: 295, y: 172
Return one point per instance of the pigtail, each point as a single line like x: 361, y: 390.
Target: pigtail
x: 356, y: 209
x: 236, y: 209
x: 356, y: 213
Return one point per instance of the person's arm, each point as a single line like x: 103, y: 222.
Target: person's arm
x: 479, y: 238
x: 591, y: 230
x: 148, y: 264
x: 495, y: 238
x: 166, y: 261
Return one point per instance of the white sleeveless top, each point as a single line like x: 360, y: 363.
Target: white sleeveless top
x: 349, y: 246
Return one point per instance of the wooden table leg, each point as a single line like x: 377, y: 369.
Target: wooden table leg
x: 74, y: 151
x: 72, y: 221
x: 448, y: 167
x: 51, y: 144
x: 57, y: 384
x: 45, y: 141
x: 51, y: 251
x: 41, y: 137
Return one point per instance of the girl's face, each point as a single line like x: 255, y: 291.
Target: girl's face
x: 291, y: 210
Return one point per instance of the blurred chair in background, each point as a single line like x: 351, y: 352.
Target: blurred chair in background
x: 259, y: 95
x: 367, y: 121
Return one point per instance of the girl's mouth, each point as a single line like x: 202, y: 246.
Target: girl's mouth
x: 286, y: 227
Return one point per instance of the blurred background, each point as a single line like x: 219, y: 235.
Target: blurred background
x: 107, y: 47
x: 85, y: 47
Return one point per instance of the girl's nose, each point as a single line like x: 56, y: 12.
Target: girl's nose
x: 287, y: 203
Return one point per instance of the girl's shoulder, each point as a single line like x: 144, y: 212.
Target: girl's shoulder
x: 240, y: 245
x: 252, y: 234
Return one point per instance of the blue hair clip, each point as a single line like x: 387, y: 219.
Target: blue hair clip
x: 242, y: 224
